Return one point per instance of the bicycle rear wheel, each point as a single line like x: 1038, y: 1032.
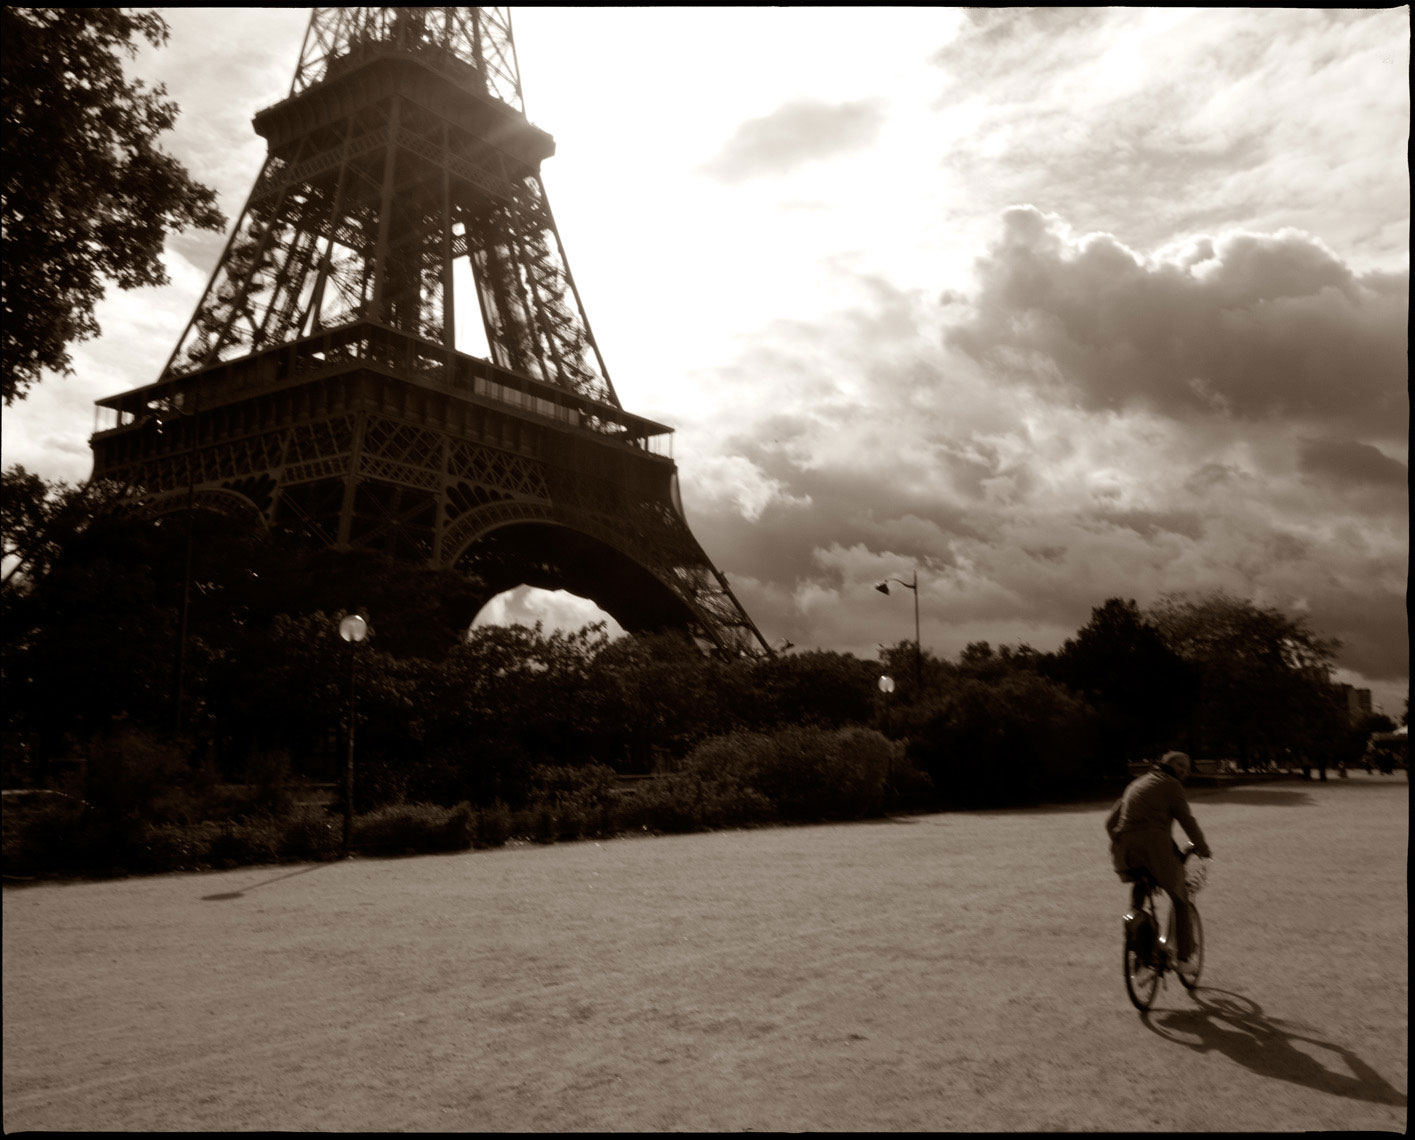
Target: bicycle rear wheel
x: 1142, y: 970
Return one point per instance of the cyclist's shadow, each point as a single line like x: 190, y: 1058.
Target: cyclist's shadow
x: 1236, y: 1026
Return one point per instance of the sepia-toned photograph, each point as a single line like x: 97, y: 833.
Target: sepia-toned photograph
x: 705, y: 569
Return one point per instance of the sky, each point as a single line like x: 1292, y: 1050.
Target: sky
x: 1046, y: 305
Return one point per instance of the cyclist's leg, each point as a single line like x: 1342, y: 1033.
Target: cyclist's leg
x: 1172, y: 880
x: 1161, y: 858
x: 1129, y: 861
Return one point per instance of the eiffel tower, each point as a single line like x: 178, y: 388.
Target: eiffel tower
x: 318, y: 386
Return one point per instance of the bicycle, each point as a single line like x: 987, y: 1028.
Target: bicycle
x: 1149, y: 954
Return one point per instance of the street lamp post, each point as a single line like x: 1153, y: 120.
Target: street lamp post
x: 886, y: 687
x: 352, y: 629
x: 883, y: 588
x: 184, y: 604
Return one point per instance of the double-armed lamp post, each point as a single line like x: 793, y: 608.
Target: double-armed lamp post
x: 883, y: 588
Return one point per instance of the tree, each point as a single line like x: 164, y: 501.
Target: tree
x: 92, y: 642
x: 1376, y: 722
x: 1139, y: 687
x: 1007, y: 738
x: 1263, y: 678
x: 418, y: 611
x: 88, y: 195
x: 816, y: 687
x: 37, y: 519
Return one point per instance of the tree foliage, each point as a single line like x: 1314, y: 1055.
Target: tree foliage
x: 39, y: 518
x: 1263, y: 686
x: 445, y: 714
x: 1010, y: 736
x: 89, y: 197
x: 1140, y: 688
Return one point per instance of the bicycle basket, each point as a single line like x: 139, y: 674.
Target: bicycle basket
x: 1196, y: 873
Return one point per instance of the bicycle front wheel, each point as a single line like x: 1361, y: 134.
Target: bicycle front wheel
x: 1142, y: 975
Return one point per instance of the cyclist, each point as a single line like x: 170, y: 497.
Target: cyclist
x: 1139, y: 830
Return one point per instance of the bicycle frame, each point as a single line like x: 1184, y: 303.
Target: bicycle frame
x: 1148, y: 943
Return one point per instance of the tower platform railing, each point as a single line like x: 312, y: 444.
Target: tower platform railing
x: 369, y: 345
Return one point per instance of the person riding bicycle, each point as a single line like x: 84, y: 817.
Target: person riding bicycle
x: 1139, y: 830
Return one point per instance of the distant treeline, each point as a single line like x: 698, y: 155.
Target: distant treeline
x: 91, y: 610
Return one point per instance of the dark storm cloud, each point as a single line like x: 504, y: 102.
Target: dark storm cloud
x: 1347, y: 461
x: 1248, y: 326
x: 794, y: 134
x: 1150, y: 523
x: 1028, y: 478
x: 1371, y: 626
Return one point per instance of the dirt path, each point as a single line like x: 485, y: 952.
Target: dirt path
x: 941, y: 972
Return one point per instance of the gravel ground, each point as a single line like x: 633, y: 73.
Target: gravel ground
x: 939, y: 972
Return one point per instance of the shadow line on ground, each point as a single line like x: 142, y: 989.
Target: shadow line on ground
x: 1237, y: 1027
x: 226, y: 895
x: 1257, y: 797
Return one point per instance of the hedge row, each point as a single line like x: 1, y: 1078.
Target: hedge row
x: 739, y: 780
x: 70, y: 839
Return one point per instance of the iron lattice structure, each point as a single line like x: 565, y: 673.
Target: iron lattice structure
x: 319, y: 385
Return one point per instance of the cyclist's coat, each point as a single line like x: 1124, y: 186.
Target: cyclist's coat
x: 1148, y: 804
x: 1138, y: 826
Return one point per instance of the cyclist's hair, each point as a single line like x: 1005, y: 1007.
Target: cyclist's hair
x: 1169, y: 759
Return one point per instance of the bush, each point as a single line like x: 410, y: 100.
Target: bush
x: 733, y: 805
x: 670, y: 803
x: 411, y: 828
x: 222, y: 803
x: 908, y: 788
x: 174, y: 847
x: 167, y: 847
x: 493, y: 825
x: 542, y: 824
x: 131, y: 770
x: 572, y: 823
x: 1005, y: 740
x: 267, y: 772
x: 48, y: 836
x: 246, y: 843
x: 311, y: 833
x: 459, y: 832
x: 570, y: 802
x: 802, y: 773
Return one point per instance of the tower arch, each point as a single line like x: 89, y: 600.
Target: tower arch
x: 551, y: 555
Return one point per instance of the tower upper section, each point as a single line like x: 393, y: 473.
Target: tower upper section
x: 478, y: 38
x: 401, y: 172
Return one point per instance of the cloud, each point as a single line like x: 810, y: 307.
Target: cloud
x: 795, y: 133
x: 1245, y: 326
x: 736, y: 482
x: 555, y: 609
x: 1154, y: 121
x: 1212, y: 397
x: 1345, y: 461
x: 992, y: 441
